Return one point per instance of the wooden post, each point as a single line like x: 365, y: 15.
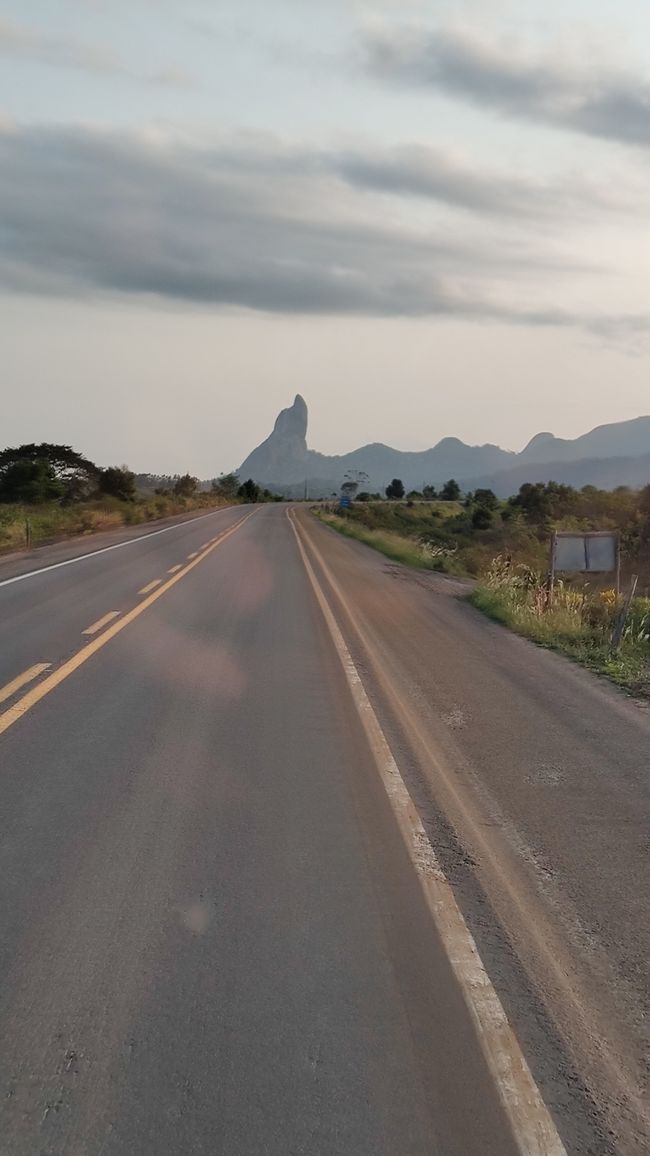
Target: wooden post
x: 617, y: 635
x: 551, y: 569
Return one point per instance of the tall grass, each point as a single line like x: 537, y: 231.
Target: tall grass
x: 409, y: 551
x: 577, y: 621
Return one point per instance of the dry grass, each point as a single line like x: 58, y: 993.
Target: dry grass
x: 410, y: 551
x: 579, y: 622
x: 51, y: 522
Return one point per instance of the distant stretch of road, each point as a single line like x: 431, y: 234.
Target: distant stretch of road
x: 300, y: 855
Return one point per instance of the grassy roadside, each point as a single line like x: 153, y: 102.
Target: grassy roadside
x: 410, y: 551
x: 53, y: 522
x: 578, y: 624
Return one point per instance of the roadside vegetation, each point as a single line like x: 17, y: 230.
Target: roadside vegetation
x: 578, y: 621
x: 504, y: 547
x: 50, y: 492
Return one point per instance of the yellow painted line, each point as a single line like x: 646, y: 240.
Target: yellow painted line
x: 102, y: 622
x: 174, y: 569
x: 22, y: 680
x: 194, y: 555
x: 20, y: 708
x: 151, y: 586
x: 531, y: 1122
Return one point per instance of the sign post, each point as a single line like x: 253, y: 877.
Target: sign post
x: 592, y: 552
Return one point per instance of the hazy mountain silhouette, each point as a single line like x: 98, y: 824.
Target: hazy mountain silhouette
x: 608, y: 456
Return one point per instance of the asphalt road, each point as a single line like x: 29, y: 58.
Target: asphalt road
x: 212, y: 936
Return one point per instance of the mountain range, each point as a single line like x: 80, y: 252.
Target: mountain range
x: 608, y: 456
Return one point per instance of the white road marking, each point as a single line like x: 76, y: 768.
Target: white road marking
x: 175, y: 569
x: 533, y: 1127
x: 151, y: 586
x: 106, y: 549
x: 47, y: 685
x: 102, y: 622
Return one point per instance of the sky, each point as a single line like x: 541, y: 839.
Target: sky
x: 429, y: 218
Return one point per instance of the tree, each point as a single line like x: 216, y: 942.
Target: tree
x: 481, y: 518
x: 395, y: 489
x: 485, y: 498
x: 358, y: 476
x: 249, y: 491
x: 543, y: 503
x: 185, y: 486
x: 351, y: 482
x: 429, y: 493
x: 32, y: 482
x: 226, y: 485
x: 450, y: 492
x: 119, y: 482
x: 45, y: 472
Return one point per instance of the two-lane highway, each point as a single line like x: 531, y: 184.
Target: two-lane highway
x: 213, y: 938
x: 299, y: 854
x: 82, y: 587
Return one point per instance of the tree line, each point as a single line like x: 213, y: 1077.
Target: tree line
x: 539, y: 505
x: 37, y: 474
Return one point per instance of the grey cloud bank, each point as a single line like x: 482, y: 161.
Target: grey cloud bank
x: 267, y: 228
x: 604, y: 103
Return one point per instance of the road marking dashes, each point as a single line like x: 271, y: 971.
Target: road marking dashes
x: 101, y: 622
x: 19, y: 709
x: 22, y: 680
x: 151, y: 586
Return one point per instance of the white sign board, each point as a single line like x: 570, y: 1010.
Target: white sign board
x: 590, y: 553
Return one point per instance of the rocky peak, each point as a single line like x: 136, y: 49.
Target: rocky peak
x: 283, y: 455
x: 291, y: 423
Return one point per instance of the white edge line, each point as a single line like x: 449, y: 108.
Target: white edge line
x: 533, y: 1127
x: 106, y: 549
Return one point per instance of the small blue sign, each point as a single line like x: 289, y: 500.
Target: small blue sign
x: 345, y: 502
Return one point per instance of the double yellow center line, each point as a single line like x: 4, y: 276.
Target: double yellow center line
x: 20, y: 708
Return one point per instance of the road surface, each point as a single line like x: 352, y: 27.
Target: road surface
x: 214, y: 935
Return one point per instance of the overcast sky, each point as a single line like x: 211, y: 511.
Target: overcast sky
x: 429, y: 218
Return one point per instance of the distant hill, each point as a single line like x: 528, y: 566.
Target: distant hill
x: 608, y: 456
x: 604, y: 473
x: 624, y: 439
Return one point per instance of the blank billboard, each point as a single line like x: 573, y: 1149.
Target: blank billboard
x: 586, y: 552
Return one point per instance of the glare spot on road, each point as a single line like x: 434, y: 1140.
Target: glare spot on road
x: 198, y: 916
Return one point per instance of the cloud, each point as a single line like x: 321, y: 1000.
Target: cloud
x: 433, y: 174
x: 23, y: 42
x: 611, y: 104
x: 251, y: 226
